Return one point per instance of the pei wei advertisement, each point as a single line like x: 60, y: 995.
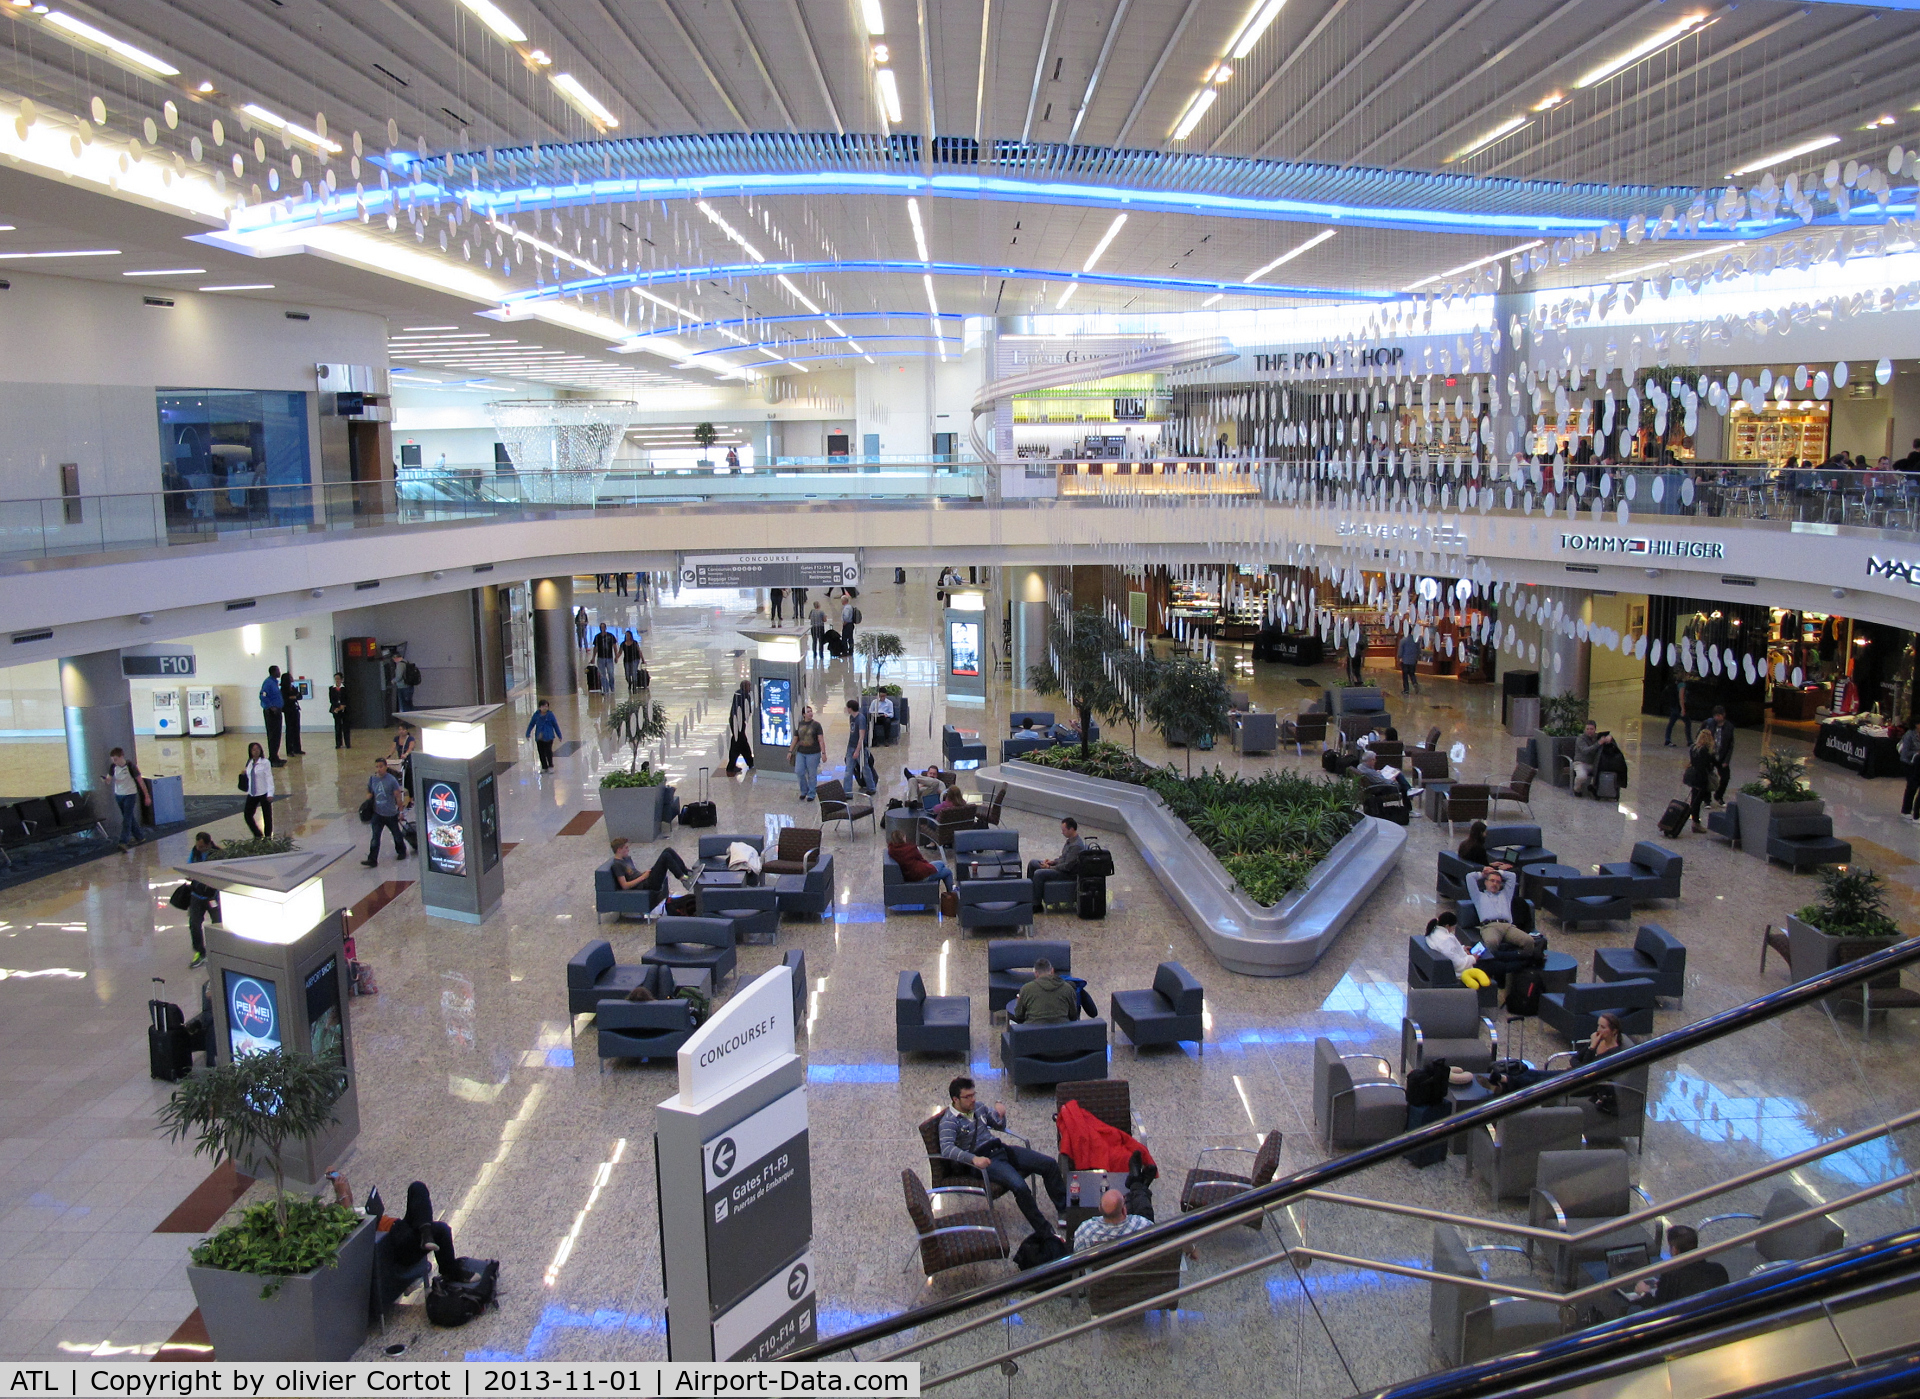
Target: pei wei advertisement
x: 446, y: 838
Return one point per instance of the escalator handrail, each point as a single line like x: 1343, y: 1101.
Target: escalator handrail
x: 1161, y: 1237
x: 1584, y: 1356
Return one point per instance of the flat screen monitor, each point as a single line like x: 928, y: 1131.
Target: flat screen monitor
x: 776, y: 711
x: 963, y: 647
x: 253, y: 1014
x: 326, y: 1034
x: 486, y: 800
x: 446, y: 828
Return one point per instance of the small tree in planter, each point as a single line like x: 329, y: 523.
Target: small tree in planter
x: 1780, y: 790
x: 878, y: 647
x: 704, y: 434
x: 631, y: 797
x: 1188, y: 702
x: 1092, y: 667
x: 1852, y: 904
x: 249, y: 846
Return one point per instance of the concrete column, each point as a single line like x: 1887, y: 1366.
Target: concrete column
x: 1027, y: 591
x: 99, y: 715
x: 1569, y: 676
x: 555, y: 656
x: 489, y: 646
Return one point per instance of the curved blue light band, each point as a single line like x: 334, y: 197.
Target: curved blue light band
x: 956, y: 341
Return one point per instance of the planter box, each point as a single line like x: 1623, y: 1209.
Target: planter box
x: 633, y: 812
x: 321, y: 1315
x: 1757, y: 817
x: 1551, y: 750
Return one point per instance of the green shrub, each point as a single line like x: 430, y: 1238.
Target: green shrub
x: 314, y: 1231
x: 255, y: 845
x: 1852, y: 904
x: 1781, y: 779
x: 645, y: 777
x: 1563, y: 716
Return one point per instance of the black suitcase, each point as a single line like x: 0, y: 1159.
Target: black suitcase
x: 1674, y: 820
x: 1091, y: 896
x: 1419, y: 1115
x: 702, y: 813
x: 899, y: 575
x: 169, y: 1050
x: 593, y: 676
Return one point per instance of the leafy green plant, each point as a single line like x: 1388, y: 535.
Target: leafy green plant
x: 879, y: 647
x: 1782, y: 779
x: 249, y: 1108
x: 1188, y: 702
x: 647, y: 776
x: 1852, y: 903
x: 1092, y: 667
x: 1563, y: 716
x: 254, y: 845
x: 699, y: 1006
x: 635, y: 723
x: 310, y: 1238
x: 704, y: 434
x: 890, y: 690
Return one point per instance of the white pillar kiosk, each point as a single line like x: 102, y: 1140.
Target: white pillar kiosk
x: 280, y: 981
x: 778, y: 672
x: 456, y: 804
x: 967, y: 646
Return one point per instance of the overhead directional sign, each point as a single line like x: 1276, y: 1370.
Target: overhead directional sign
x: 772, y: 570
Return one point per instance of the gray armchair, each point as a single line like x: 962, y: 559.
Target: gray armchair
x: 1575, y: 1011
x: 1656, y: 955
x: 712, y: 850
x: 996, y: 903
x: 1210, y: 1183
x: 644, y: 1029
x: 593, y: 976
x: 897, y: 891
x: 1591, y: 898
x: 983, y: 845
x: 1805, y: 842
x: 1350, y: 1111
x: 1010, y: 966
x: 1450, y: 880
x: 1464, y: 801
x: 1653, y: 870
x: 694, y: 942
x: 609, y: 897
x: 1019, y: 744
x: 1808, y: 1239
x: 754, y: 911
x: 837, y: 805
x: 926, y: 1024
x: 1446, y: 1024
x: 1040, y: 719
x: 1614, y: 1110
x: 796, y: 853
x: 1427, y: 969
x: 1057, y: 1053
x: 1505, y: 1154
x: 811, y: 892
x: 1470, y: 1325
x: 1520, y: 842
x: 960, y: 750
x: 1256, y: 733
x: 1167, y: 1013
x: 1577, y: 1190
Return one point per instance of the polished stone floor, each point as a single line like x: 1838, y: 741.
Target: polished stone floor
x: 473, y: 1079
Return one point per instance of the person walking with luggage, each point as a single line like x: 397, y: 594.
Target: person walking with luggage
x: 817, y: 628
x: 809, y: 741
x: 130, y: 793
x: 337, y: 707
x: 605, y: 648
x: 1910, y: 760
x: 1409, y: 655
x: 200, y: 897
x: 631, y: 659
x: 1700, y: 770
x: 544, y: 729
x: 849, y: 619
x: 1677, y: 708
x: 739, y: 723
x: 290, y: 709
x: 1722, y: 728
x: 403, y: 755
x: 860, y: 769
x: 256, y: 780
x: 271, y: 711
x: 775, y: 597
x: 384, y: 788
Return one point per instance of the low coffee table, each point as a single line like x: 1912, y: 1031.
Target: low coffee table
x: 1465, y: 1095
x: 989, y: 869
x: 720, y: 879
x: 1090, y: 1186
x: 699, y: 978
x: 1534, y: 877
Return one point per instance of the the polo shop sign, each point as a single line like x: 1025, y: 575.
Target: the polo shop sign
x: 1638, y: 547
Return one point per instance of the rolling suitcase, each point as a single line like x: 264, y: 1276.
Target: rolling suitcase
x: 169, y: 1051
x: 1674, y: 820
x: 702, y: 813
x: 593, y: 676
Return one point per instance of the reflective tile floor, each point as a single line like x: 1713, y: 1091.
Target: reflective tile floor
x: 473, y: 1080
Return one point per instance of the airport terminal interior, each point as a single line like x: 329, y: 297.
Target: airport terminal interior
x: 626, y: 611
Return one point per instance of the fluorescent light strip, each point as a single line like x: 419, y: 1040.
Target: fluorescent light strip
x: 73, y: 252
x: 1106, y: 240
x: 1818, y: 143
x: 1210, y: 300
x: 728, y: 229
x: 412, y: 329
x: 140, y: 58
x: 550, y: 249
x: 919, y: 232
x: 933, y: 324
x: 583, y: 101
x: 1641, y: 50
x: 1506, y: 128
x: 1263, y: 14
x: 889, y: 93
x: 1072, y: 287
x: 876, y: 20
x: 1477, y: 262
x: 1196, y: 109
x: 662, y: 301
x: 242, y: 286
x: 1289, y: 256
x: 168, y: 272
x: 293, y: 132
x: 799, y: 295
x: 495, y: 19
x: 926, y: 279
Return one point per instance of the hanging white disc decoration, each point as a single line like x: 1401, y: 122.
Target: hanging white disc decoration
x: 1840, y: 374
x: 1746, y: 668
x: 1533, y: 654
x: 1458, y: 752
x: 1686, y: 490
x: 1883, y: 371
x: 1686, y: 652
x: 1820, y: 386
x: 1640, y: 649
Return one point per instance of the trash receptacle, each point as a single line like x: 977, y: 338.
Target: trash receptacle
x: 169, y: 804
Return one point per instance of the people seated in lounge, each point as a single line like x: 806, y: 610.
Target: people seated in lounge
x: 1701, y: 1275
x: 1443, y: 938
x: 1113, y: 1222
x: 1372, y: 764
x: 953, y: 803
x: 967, y: 1139
x: 1604, y: 1040
x: 1068, y: 860
x: 914, y: 866
x: 881, y: 712
x: 626, y: 875
x: 417, y: 1234
x: 1503, y: 948
x: 1588, y: 751
x: 1474, y: 848
x: 922, y: 785
x: 1026, y: 725
x: 640, y: 993
x: 1046, y: 1000
x: 1496, y: 898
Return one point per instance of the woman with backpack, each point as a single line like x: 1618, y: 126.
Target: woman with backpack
x: 1701, y: 766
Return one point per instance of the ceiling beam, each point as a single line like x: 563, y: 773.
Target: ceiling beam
x: 760, y: 64
x: 1406, y: 13
x: 706, y: 68
x: 1294, y: 55
x: 1153, y: 77
x: 1392, y: 81
x: 1099, y: 67
x: 1039, y: 68
x: 813, y: 62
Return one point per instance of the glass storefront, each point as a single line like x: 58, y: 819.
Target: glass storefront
x: 232, y: 456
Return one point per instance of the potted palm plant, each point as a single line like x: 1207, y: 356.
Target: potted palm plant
x: 706, y: 436
x: 1563, y: 718
x: 1189, y: 704
x: 289, y: 1279
x: 1852, y: 909
x: 631, y: 796
x: 1780, y: 790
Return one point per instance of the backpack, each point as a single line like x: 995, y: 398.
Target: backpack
x: 457, y: 1303
x: 1524, y: 989
x: 411, y: 675
x: 1041, y: 1247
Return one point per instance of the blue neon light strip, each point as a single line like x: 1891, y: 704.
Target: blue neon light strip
x: 702, y: 327
x: 955, y: 340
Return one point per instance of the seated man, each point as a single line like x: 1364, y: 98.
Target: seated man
x: 1701, y: 1275
x: 1371, y: 767
x: 1113, y: 1223
x: 1046, y: 1000
x: 1495, y: 899
x: 914, y: 866
x: 880, y: 709
x: 1590, y: 758
x: 626, y: 875
x: 922, y: 785
x: 967, y: 1139
x: 1068, y: 860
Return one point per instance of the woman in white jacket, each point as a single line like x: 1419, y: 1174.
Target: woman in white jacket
x: 257, y: 780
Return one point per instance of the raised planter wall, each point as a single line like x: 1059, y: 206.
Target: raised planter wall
x: 633, y: 812
x: 321, y: 1315
x: 1243, y: 936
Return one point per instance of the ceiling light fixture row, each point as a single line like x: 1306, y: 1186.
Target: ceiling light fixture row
x: 571, y: 89
x: 1249, y: 32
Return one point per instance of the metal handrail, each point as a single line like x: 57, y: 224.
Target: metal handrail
x: 1039, y: 1284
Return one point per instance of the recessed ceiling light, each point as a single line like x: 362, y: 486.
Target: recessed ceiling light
x: 719, y: 222
x: 414, y: 328
x: 495, y: 19
x: 1505, y: 129
x: 290, y: 130
x: 1803, y: 148
x: 72, y: 252
x: 140, y: 58
x: 1290, y: 254
x: 1477, y: 262
x: 876, y: 20
x: 205, y: 87
x: 919, y: 232
x: 168, y: 272
x: 1119, y: 222
x: 1195, y: 110
x: 799, y: 295
x: 1264, y: 13
x: 1210, y: 300
x: 1072, y: 287
x: 1640, y: 50
x: 583, y: 101
x: 889, y: 93
x: 242, y: 286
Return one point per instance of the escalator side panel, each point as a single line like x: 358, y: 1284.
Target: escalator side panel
x: 1767, y: 1358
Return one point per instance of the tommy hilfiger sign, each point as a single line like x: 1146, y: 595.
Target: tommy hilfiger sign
x: 1878, y: 567
x: 1648, y: 548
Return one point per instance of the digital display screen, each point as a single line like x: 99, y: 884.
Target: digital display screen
x: 446, y: 834
x: 963, y: 647
x: 326, y: 1035
x: 776, y: 711
x: 486, y: 799
x: 253, y: 1015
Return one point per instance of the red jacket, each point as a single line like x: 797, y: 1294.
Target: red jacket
x: 1093, y: 1144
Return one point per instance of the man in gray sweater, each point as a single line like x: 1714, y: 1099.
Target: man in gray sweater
x: 967, y: 1139
x: 1586, y: 752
